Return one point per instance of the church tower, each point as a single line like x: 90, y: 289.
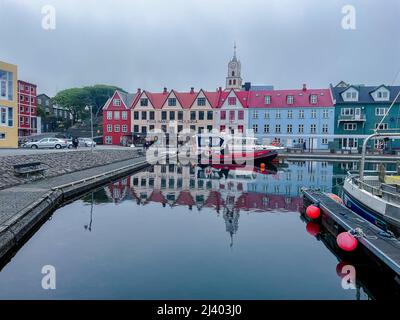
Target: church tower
x: 234, y: 79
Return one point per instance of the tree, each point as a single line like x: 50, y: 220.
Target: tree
x: 98, y: 95
x: 74, y: 100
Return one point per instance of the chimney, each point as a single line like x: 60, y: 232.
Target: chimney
x: 139, y: 91
x: 165, y: 90
x: 304, y: 87
x: 191, y: 89
x: 220, y: 89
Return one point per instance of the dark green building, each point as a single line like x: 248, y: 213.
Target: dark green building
x: 358, y: 111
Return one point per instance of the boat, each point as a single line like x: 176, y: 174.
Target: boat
x: 376, y: 198
x: 233, y: 149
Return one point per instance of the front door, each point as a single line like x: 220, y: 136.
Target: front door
x: 357, y: 113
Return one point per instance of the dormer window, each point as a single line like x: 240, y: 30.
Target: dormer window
x: 290, y: 99
x: 314, y: 99
x: 144, y: 102
x: 232, y: 101
x: 172, y: 102
x: 267, y: 99
x: 117, y: 102
x: 351, y: 95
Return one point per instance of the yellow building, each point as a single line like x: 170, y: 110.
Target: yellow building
x: 8, y: 106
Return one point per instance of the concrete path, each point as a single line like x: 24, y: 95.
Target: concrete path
x: 17, y: 198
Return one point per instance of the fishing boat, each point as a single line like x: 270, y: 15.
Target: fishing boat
x: 234, y: 149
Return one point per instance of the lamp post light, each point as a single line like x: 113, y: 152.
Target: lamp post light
x: 87, y: 108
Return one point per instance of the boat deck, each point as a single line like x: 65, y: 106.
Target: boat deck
x: 384, y: 247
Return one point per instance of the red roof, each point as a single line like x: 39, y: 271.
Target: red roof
x: 302, y: 98
x: 248, y: 99
x: 243, y: 97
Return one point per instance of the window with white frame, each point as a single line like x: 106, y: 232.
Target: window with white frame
x: 109, y: 128
x: 117, y: 102
x: 124, y: 128
x: 324, y: 128
x: 347, y: 111
x: 6, y: 116
x: 255, y: 128
x: 382, y: 126
x: 313, y: 113
x: 325, y: 113
x: 289, y: 128
x: 278, y: 128
x: 116, y: 128
x: 266, y: 128
x: 278, y: 114
x: 324, y: 141
x: 289, y: 99
x: 301, y: 128
x: 124, y: 115
x: 267, y: 99
x: 290, y: 114
x: 108, y: 140
x: 116, y: 115
x: 350, y: 126
x: 266, y: 115
x: 255, y: 114
x: 313, y: 128
x: 144, y: 102
x: 382, y: 94
x: 6, y: 85
x: 301, y: 114
x: 314, y: 98
x: 381, y: 111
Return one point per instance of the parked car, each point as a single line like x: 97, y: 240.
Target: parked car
x: 47, y: 143
x: 69, y: 143
x: 86, y: 142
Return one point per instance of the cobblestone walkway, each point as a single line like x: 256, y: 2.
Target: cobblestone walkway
x: 16, y: 198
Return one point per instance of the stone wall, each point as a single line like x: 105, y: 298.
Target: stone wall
x: 59, y: 163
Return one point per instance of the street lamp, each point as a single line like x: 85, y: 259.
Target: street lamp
x: 87, y: 108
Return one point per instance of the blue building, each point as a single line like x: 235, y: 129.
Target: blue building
x: 292, y: 117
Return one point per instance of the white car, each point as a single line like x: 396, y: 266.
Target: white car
x: 47, y: 143
x: 86, y: 142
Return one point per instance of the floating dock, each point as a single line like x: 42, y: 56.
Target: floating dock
x: 381, y: 244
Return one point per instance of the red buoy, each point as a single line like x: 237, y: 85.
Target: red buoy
x: 335, y: 198
x: 313, y: 228
x: 346, y: 241
x: 313, y: 212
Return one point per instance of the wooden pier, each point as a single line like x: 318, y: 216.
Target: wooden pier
x: 381, y: 244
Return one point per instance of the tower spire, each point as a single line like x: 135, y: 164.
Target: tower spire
x: 234, y: 50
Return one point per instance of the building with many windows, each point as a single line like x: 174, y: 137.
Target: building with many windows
x: 117, y: 118
x: 359, y: 110
x: 290, y: 117
x: 27, y: 109
x: 8, y: 106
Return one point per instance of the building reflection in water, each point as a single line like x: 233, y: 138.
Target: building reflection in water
x: 226, y: 189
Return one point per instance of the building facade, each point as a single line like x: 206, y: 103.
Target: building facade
x: 290, y: 117
x: 359, y: 110
x: 8, y: 106
x: 27, y: 109
x: 117, y: 118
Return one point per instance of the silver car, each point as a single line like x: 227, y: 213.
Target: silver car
x: 47, y: 143
x: 86, y: 142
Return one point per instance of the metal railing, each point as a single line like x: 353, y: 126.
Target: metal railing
x: 352, y: 117
x: 375, y: 187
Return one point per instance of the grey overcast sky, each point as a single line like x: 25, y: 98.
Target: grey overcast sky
x: 150, y: 44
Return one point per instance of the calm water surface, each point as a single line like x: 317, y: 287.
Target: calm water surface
x: 185, y: 232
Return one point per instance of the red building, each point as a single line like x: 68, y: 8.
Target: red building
x: 27, y: 109
x: 117, y: 118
